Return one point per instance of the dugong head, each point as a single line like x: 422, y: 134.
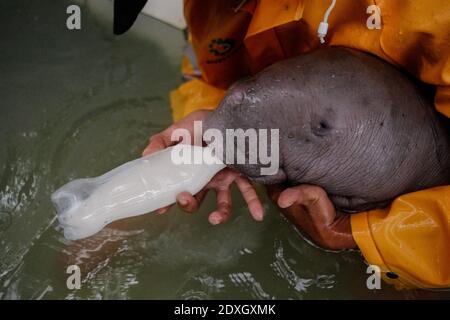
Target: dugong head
x: 347, y: 121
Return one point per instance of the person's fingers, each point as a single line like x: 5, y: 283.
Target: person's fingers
x: 223, y: 211
x: 223, y: 179
x: 313, y: 199
x: 288, y: 197
x: 189, y: 203
x: 163, y: 139
x: 163, y: 210
x: 251, y: 197
x: 306, y: 195
x: 153, y: 147
x: 159, y: 141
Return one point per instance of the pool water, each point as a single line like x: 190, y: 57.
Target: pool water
x: 78, y: 103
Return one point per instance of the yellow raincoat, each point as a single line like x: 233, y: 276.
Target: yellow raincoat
x: 410, y: 240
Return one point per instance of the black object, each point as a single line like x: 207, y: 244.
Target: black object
x: 126, y: 13
x: 391, y: 275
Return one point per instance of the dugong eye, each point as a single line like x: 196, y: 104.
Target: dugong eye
x: 320, y: 128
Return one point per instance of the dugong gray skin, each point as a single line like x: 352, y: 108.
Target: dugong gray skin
x: 349, y: 122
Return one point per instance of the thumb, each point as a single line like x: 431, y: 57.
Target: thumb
x: 314, y: 201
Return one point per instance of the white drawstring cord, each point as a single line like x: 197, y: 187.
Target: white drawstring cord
x: 323, y: 26
x: 239, y: 6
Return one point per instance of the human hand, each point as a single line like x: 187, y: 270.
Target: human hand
x: 220, y: 183
x: 163, y: 139
x: 310, y: 209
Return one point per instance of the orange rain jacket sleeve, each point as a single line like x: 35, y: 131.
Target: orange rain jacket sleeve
x: 411, y: 238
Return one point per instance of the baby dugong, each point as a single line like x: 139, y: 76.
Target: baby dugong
x: 348, y: 122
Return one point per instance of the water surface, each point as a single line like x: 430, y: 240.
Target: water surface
x: 79, y: 103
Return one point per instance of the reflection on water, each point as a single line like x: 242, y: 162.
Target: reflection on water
x: 78, y: 103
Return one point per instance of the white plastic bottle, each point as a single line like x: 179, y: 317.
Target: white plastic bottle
x: 85, y: 206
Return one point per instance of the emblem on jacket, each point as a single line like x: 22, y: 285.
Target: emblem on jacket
x: 220, y: 47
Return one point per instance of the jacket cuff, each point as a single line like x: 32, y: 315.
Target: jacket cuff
x: 363, y: 237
